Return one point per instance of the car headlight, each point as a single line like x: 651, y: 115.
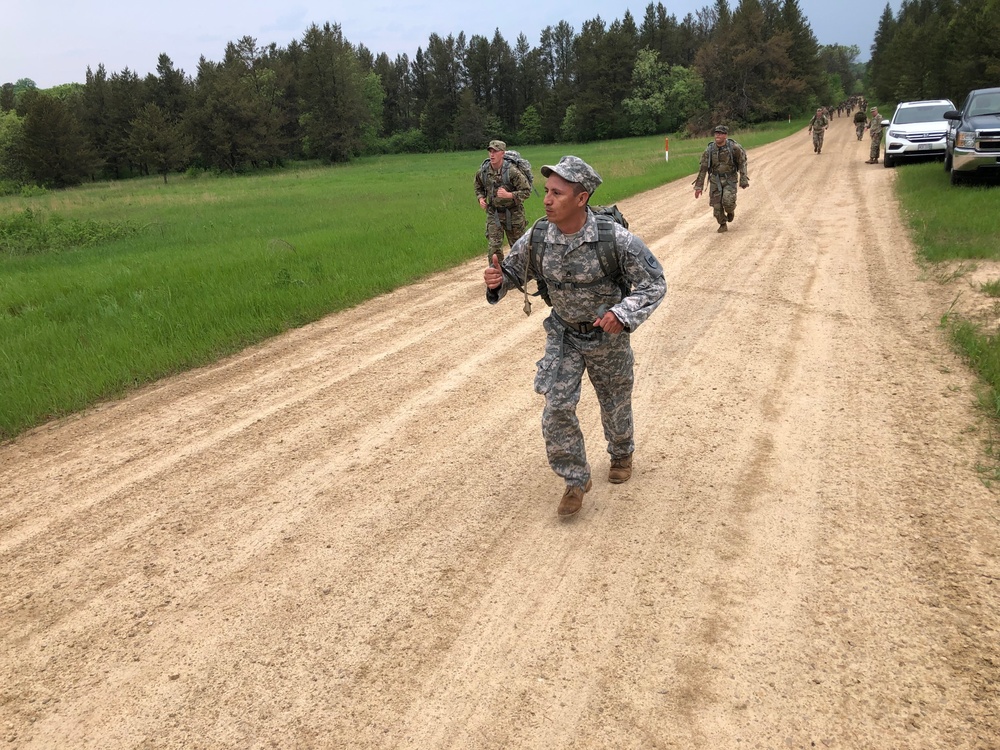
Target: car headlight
x: 965, y: 139
x: 896, y: 134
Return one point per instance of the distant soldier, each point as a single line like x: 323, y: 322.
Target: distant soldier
x: 817, y: 126
x: 875, y: 128
x: 502, y: 189
x: 859, y: 123
x: 721, y: 162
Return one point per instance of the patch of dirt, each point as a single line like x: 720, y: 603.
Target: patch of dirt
x: 347, y: 537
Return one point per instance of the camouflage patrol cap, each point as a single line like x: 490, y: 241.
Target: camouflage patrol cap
x: 874, y: 109
x: 575, y: 169
x: 721, y: 129
x: 497, y: 146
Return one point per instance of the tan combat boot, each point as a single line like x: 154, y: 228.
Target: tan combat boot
x: 722, y: 228
x: 572, y: 499
x: 621, y: 470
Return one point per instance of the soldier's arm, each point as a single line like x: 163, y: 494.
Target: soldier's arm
x: 513, y: 269
x: 699, y: 182
x: 480, y: 188
x: 644, y: 274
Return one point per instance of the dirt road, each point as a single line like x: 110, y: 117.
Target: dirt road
x: 347, y: 537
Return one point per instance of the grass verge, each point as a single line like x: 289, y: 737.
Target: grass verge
x: 957, y: 226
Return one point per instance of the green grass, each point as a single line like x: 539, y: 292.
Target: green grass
x: 958, y: 225
x: 112, y: 285
x: 949, y: 222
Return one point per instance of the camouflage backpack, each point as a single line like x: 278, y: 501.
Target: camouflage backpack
x: 510, y: 157
x: 607, y: 217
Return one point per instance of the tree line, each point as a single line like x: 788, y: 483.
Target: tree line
x: 933, y: 49
x: 322, y: 97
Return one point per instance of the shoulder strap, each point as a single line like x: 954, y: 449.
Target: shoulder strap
x: 606, y: 246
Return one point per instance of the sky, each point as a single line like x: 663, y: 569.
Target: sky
x: 54, y: 41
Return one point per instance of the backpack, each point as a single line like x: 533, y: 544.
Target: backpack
x: 519, y: 161
x: 729, y: 147
x: 607, y: 217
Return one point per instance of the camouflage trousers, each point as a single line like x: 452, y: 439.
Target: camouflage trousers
x: 876, y: 146
x: 608, y: 361
x: 500, y: 222
x: 818, y: 138
x: 722, y: 201
x: 860, y: 129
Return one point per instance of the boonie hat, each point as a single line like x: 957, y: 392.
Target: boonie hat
x: 575, y: 169
x: 497, y: 146
x: 721, y: 129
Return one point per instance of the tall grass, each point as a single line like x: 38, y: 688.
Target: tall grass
x: 219, y: 263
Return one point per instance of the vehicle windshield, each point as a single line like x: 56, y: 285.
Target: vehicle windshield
x: 985, y: 105
x: 926, y: 113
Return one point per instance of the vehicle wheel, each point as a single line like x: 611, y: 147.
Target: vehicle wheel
x: 887, y: 162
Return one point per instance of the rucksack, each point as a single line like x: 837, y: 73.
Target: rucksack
x: 607, y: 217
x: 729, y: 147
x: 511, y: 157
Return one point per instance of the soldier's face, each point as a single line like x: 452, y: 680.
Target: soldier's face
x: 496, y: 158
x: 562, y: 203
x: 720, y: 139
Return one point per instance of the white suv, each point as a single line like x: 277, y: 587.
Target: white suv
x: 916, y: 129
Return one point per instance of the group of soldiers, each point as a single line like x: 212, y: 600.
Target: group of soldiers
x: 601, y: 281
x: 821, y: 121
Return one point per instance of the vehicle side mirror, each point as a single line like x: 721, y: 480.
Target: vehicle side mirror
x: 952, y: 114
x: 885, y: 123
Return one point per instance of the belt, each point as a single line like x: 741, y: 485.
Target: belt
x: 584, y: 327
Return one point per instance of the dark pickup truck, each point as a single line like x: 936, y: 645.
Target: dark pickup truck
x: 973, y: 139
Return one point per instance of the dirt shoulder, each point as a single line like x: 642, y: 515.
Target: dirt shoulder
x: 347, y: 537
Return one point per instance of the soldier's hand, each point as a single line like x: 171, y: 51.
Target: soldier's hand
x: 504, y: 193
x: 697, y: 193
x: 493, y: 276
x: 482, y: 203
x: 609, y: 322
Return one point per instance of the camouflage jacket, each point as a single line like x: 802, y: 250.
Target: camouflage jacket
x: 818, y: 123
x: 726, y: 160
x: 494, y: 180
x: 572, y: 259
x: 875, y: 126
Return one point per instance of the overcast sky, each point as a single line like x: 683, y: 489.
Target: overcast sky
x: 54, y: 41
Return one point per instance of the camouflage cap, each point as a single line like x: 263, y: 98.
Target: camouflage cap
x: 874, y: 109
x: 575, y: 169
x: 721, y: 129
x: 497, y: 146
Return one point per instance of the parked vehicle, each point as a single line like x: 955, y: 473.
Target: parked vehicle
x: 916, y: 129
x: 973, y: 146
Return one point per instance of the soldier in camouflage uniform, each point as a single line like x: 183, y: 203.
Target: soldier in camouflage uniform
x: 721, y: 162
x: 875, y: 128
x: 588, y: 329
x: 817, y: 126
x: 859, y: 123
x: 504, y: 204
